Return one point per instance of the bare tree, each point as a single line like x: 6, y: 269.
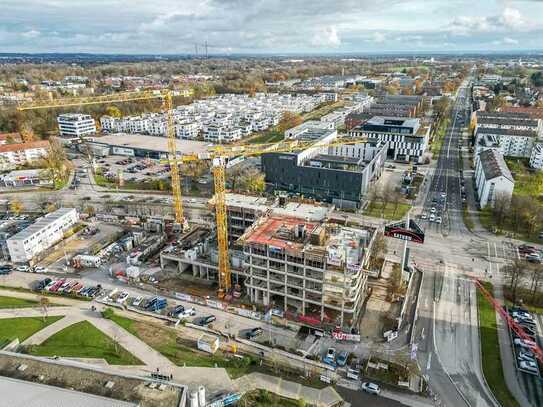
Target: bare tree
x: 386, y: 197
x: 516, y: 272
x: 501, y: 207
x: 536, y: 271
x: 44, y: 305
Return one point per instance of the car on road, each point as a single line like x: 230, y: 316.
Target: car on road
x: 424, y: 216
x: 40, y: 269
x: 533, y: 258
x: 433, y: 210
x: 253, y: 333
x: 371, y: 388
x: 438, y: 219
x: 342, y: 358
x: 443, y: 195
x: 432, y: 217
x: 330, y: 357
x: 23, y: 269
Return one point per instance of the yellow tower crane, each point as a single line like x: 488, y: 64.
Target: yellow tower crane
x: 165, y: 94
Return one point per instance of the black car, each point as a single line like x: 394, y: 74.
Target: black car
x: 253, y: 333
x: 176, y: 311
x: 40, y: 285
x: 207, y: 320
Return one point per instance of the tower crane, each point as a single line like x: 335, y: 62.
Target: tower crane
x: 219, y: 156
x: 165, y: 94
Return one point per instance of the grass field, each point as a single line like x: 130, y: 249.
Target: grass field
x: 22, y: 328
x: 267, y: 137
x: 439, y: 137
x: 492, y: 364
x: 389, y: 211
x: 83, y: 340
x: 12, y: 302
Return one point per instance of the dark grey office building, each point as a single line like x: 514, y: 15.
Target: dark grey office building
x: 340, y: 175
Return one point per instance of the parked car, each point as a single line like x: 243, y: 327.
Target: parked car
x: 371, y: 388
x: 525, y: 343
x: 174, y: 312
x: 188, y: 312
x: 353, y: 371
x: 40, y: 269
x: 207, y: 320
x: 342, y: 358
x: 253, y: 333
x: 424, y: 216
x: 137, y: 301
x: 522, y: 315
x: 23, y: 269
x: 438, y: 219
x: 330, y: 357
x: 529, y: 366
x: 526, y: 355
x: 122, y: 297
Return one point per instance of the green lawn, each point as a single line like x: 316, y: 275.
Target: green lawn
x: 437, y: 143
x: 267, y: 137
x: 22, y: 328
x: 389, y: 212
x: 83, y: 340
x: 492, y: 364
x: 12, y: 302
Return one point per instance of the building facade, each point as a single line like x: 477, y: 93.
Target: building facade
x: 406, y: 139
x: 493, y: 180
x: 75, y: 125
x: 13, y: 155
x: 41, y: 235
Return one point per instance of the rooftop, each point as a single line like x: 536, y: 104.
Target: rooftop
x: 494, y: 165
x: 506, y: 132
x: 5, y: 148
x: 41, y: 223
x: 19, y: 393
x: 151, y: 143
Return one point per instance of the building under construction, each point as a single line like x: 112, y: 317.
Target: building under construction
x: 289, y: 257
x: 313, y: 270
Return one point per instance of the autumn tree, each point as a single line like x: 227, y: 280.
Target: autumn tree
x: 288, y: 121
x: 16, y: 206
x: 253, y: 182
x: 26, y: 132
x: 56, y: 164
x: 113, y: 111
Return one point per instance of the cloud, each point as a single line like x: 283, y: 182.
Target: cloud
x: 510, y: 19
x: 30, y: 34
x: 510, y: 41
x: 328, y: 37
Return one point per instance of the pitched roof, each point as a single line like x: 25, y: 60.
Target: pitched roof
x: 5, y: 148
x: 494, y: 165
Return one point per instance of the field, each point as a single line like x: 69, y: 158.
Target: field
x: 389, y: 212
x: 22, y: 328
x: 490, y: 347
x: 12, y: 302
x: 83, y: 340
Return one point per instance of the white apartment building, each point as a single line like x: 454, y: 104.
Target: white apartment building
x: 13, y: 155
x: 41, y: 235
x: 492, y: 177
x: 188, y: 131
x: 513, y: 143
x: 296, y: 132
x: 75, y: 125
x: 536, y: 158
x: 219, y: 134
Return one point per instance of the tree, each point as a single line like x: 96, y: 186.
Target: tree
x: 253, y: 182
x: 386, y: 197
x: 536, y: 274
x: 288, y: 121
x: 16, y: 206
x: 113, y: 111
x: 516, y: 272
x: 44, y: 305
x: 441, y: 105
x: 396, y: 200
x: 501, y: 208
x: 56, y: 164
x: 27, y: 134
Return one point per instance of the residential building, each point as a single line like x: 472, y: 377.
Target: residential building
x: 313, y: 271
x: 406, y: 139
x: 493, y: 180
x: 325, y: 173
x: 13, y: 155
x: 533, y: 112
x: 41, y: 235
x: 536, y: 157
x: 513, y: 143
x: 308, y: 126
x: 76, y: 125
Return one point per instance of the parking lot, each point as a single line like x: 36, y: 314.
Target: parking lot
x: 132, y: 169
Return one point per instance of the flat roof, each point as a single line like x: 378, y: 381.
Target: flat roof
x: 265, y: 232
x: 151, y: 143
x: 19, y: 393
x: 41, y: 223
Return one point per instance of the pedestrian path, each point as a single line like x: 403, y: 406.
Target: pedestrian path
x: 284, y: 388
x: 41, y: 336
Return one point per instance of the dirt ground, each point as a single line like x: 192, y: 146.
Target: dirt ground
x: 88, y: 381
x: 373, y: 322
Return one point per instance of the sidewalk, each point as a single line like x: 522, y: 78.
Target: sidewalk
x: 284, y: 388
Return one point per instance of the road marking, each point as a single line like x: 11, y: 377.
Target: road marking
x: 429, y: 362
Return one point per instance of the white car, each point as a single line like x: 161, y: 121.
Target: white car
x: 433, y: 210
x: 137, y: 301
x: 188, y: 312
x: 522, y: 315
x: 424, y: 215
x: 438, y: 219
x: 529, y: 366
x: 122, y: 297
x: 432, y: 217
x: 24, y: 269
x: 371, y: 388
x: 443, y: 195
x: 40, y: 269
x: 524, y: 355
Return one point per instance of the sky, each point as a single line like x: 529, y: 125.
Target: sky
x: 269, y: 26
